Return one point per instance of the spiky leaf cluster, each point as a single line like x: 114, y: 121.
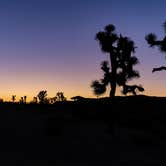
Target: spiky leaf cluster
x: 152, y: 40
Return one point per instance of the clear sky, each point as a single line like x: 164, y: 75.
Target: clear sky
x: 49, y: 44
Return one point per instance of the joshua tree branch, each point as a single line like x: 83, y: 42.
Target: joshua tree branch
x: 159, y: 69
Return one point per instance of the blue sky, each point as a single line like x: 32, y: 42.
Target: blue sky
x: 50, y: 44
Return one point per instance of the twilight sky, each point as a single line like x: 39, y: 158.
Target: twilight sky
x: 49, y: 44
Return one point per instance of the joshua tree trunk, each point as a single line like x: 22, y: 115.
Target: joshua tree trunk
x: 113, y: 75
x: 113, y: 89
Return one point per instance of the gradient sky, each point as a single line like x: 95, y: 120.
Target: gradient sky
x: 49, y: 44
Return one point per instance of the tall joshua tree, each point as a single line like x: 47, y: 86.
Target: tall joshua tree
x: 60, y: 96
x: 152, y: 40
x: 13, y: 98
x: 42, y: 96
x: 121, y: 70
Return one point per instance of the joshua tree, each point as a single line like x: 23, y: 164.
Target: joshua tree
x: 21, y: 100
x: 53, y: 100
x: 42, y: 96
x: 60, y: 96
x: 25, y: 99
x: 152, y: 40
x: 120, y: 51
x: 13, y: 98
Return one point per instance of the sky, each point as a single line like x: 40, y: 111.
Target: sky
x: 50, y: 44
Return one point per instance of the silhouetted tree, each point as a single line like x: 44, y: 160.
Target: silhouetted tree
x: 121, y: 70
x: 53, y: 100
x: 13, y: 98
x: 21, y: 100
x: 25, y: 99
x: 60, y: 96
x: 47, y: 101
x: 42, y: 96
x: 152, y: 40
x: 1, y: 100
